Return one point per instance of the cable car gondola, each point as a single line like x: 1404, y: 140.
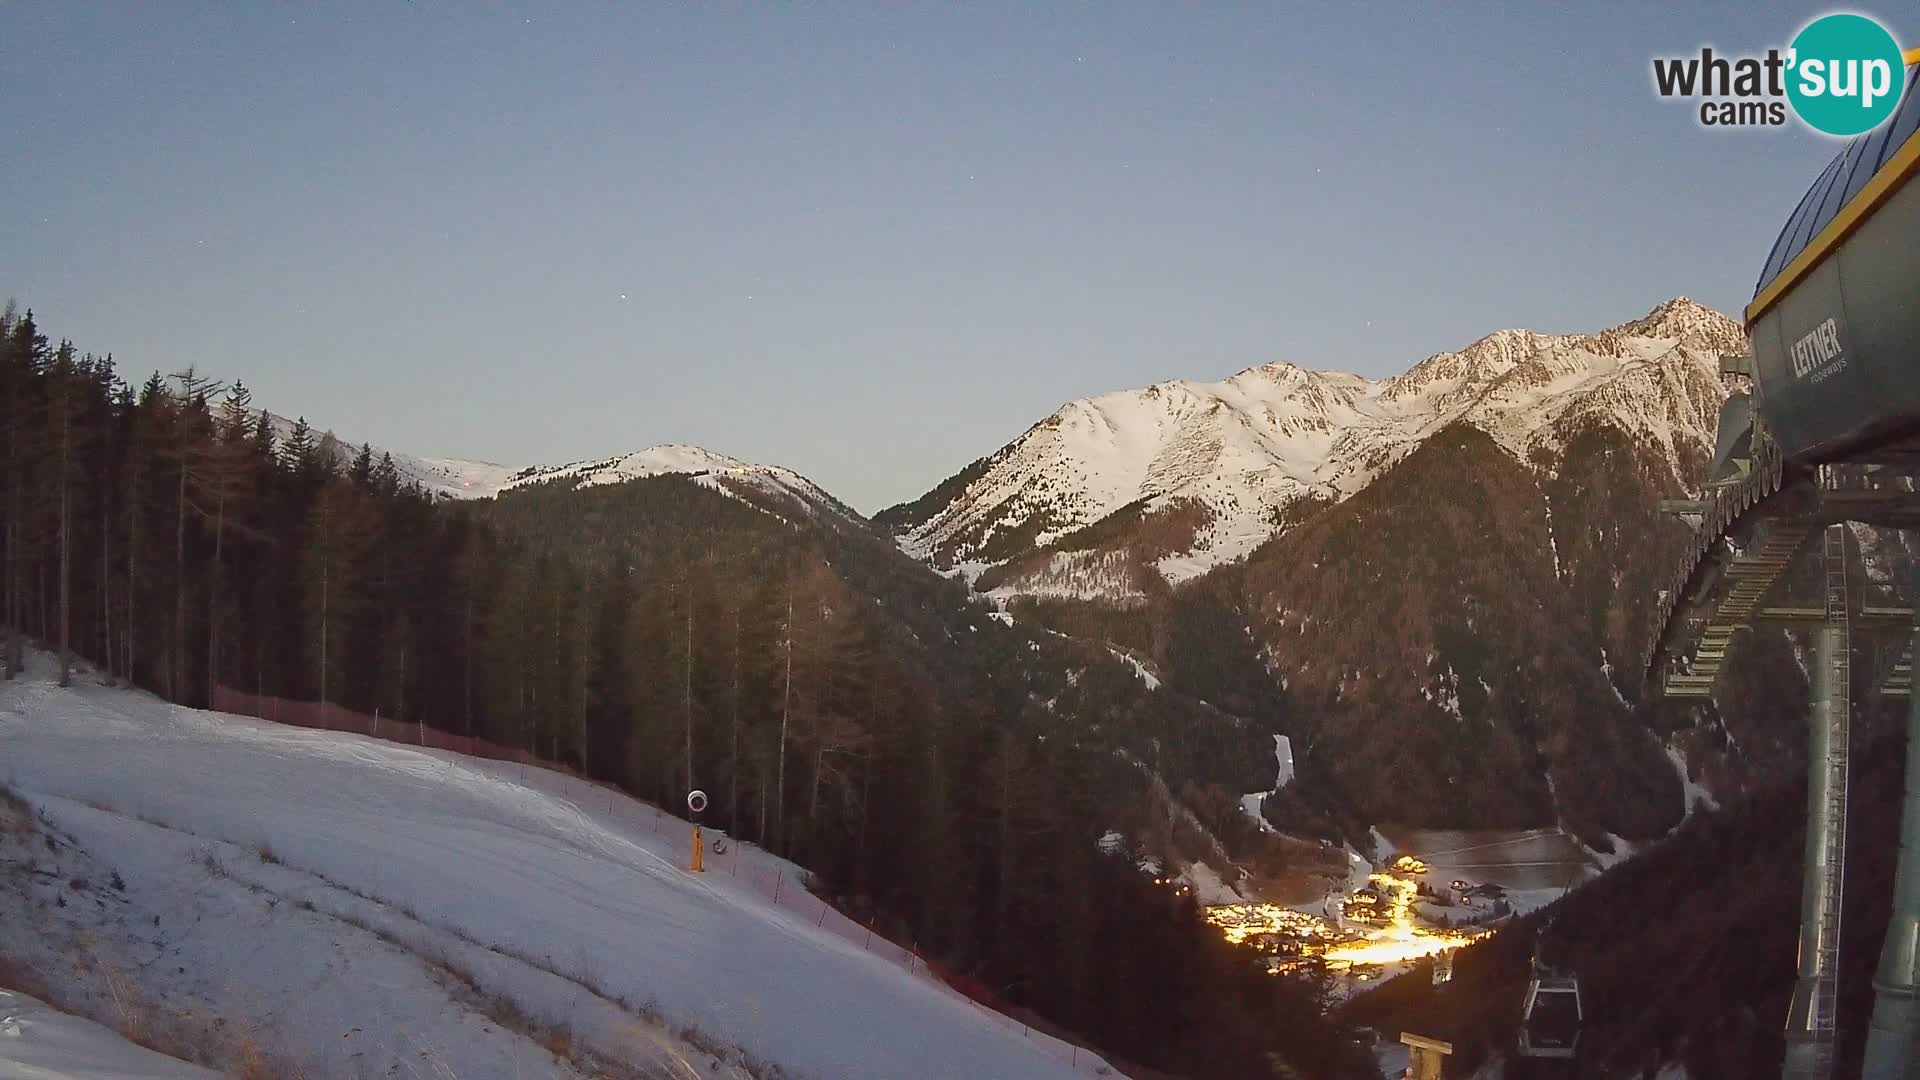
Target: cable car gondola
x: 1551, y: 1014
x: 1550, y: 1022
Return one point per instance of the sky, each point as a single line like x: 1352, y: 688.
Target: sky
x: 870, y: 242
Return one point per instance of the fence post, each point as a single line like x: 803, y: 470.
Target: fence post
x: 776, y: 886
x: 822, y: 921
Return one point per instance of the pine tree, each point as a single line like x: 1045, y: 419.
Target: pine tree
x: 224, y: 480
x: 362, y: 471
x: 299, y: 454
x: 66, y: 402
x: 786, y: 716
x: 148, y: 425
x: 193, y: 429
x: 264, y: 439
x: 337, y: 537
x: 329, y: 457
x: 25, y: 356
x: 386, y: 478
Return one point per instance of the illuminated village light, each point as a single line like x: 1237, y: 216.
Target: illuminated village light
x: 1340, y: 949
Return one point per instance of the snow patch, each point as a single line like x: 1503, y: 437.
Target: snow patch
x: 39, y: 1042
x: 1207, y: 886
x: 1283, y: 758
x: 1691, y: 791
x: 1606, y: 670
x: 1153, y: 683
x: 1076, y: 575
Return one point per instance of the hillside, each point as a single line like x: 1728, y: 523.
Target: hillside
x: 661, y: 622
x: 284, y: 873
x: 1437, y: 584
x: 47, y: 1044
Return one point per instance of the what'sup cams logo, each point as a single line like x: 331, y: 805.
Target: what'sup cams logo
x: 1842, y: 75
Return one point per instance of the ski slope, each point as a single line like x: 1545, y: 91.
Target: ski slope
x: 357, y: 904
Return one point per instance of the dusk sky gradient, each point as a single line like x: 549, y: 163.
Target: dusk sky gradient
x: 869, y: 242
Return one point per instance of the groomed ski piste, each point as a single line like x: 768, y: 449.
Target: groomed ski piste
x: 299, y: 902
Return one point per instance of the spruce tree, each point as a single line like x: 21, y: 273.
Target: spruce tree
x: 362, y: 471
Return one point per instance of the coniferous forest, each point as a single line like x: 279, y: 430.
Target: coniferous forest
x: 940, y: 771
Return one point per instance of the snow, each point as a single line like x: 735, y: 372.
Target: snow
x: 1606, y: 671
x: 1248, y: 447
x: 39, y: 1042
x: 458, y: 478
x: 1382, y: 847
x: 1622, y: 851
x: 393, y: 865
x: 1208, y: 889
x: 714, y: 470
x: 1076, y: 575
x: 1691, y: 791
x: 1553, y: 544
x: 1528, y: 901
x: 1283, y: 758
x: 450, y: 477
x: 1153, y: 683
x: 1392, y: 1057
x: 1250, y: 805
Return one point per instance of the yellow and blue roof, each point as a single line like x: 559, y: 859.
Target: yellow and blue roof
x: 1871, y: 168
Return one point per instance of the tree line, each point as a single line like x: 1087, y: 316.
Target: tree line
x: 941, y: 774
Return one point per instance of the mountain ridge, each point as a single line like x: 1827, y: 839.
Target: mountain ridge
x: 1235, y: 456
x: 460, y: 478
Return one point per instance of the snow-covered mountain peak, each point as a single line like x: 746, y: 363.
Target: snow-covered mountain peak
x: 709, y: 467
x: 1210, y: 469
x: 457, y: 478
x: 1685, y: 320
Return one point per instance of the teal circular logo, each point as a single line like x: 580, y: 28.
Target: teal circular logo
x: 1844, y: 74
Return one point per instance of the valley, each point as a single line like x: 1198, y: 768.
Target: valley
x: 1240, y: 727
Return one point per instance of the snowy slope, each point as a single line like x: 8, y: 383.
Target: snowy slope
x: 717, y: 471
x: 1246, y: 448
x: 451, y: 477
x: 403, y: 890
x: 39, y: 1042
x: 460, y: 479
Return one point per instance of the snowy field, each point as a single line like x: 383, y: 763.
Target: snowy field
x: 43, y: 1043
x: 347, y: 907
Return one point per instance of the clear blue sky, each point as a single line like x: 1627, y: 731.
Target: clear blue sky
x: 871, y: 241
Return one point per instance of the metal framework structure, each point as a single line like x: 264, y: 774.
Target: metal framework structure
x: 1826, y: 432
x: 1755, y: 534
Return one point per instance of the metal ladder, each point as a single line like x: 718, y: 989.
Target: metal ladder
x: 1827, y: 997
